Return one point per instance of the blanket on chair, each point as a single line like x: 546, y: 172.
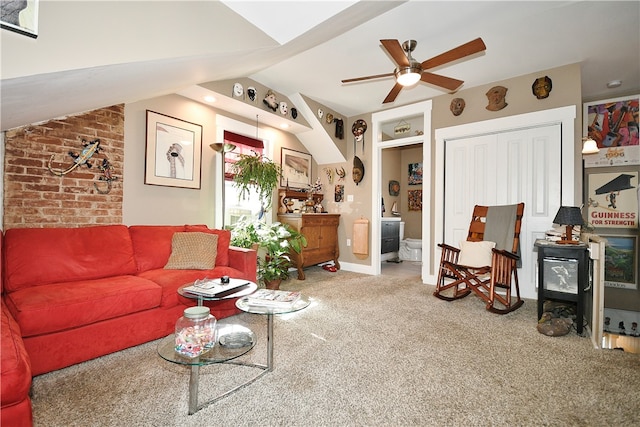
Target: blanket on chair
x: 500, y: 225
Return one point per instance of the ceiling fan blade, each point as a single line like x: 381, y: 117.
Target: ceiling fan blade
x: 474, y: 46
x: 377, y: 76
x: 396, y: 52
x: 442, y: 81
x: 392, y: 95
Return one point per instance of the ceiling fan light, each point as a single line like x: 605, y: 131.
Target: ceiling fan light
x: 408, y: 76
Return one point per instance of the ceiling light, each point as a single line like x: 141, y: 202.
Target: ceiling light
x: 408, y: 76
x: 284, y: 125
x: 590, y: 146
x: 210, y: 98
x: 614, y: 84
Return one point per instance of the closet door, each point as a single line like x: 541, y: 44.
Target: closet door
x: 500, y: 169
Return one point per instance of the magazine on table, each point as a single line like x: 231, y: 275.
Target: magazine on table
x: 215, y: 288
x: 273, y: 298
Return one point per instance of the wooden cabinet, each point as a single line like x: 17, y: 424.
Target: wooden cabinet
x: 321, y: 232
x: 390, y: 236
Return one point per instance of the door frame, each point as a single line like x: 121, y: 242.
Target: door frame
x: 565, y: 116
x: 377, y: 119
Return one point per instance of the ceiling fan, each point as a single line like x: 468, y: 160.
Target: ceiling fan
x: 409, y: 71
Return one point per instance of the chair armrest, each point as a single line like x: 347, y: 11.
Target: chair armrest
x: 245, y: 260
x: 446, y: 247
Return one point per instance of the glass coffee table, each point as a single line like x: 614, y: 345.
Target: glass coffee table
x: 243, y: 304
x: 246, y: 287
x: 232, y: 342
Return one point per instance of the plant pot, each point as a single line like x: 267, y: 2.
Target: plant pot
x: 272, y: 284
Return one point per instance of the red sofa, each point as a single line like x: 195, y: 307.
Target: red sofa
x: 73, y: 294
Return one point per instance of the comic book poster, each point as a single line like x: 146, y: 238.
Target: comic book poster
x: 613, y: 200
x: 613, y: 124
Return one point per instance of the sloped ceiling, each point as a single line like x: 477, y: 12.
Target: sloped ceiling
x: 90, y: 54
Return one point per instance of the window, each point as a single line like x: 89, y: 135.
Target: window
x: 236, y: 208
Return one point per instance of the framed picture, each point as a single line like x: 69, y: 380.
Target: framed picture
x: 20, y: 16
x: 612, y: 199
x: 173, y: 152
x: 621, y: 262
x: 296, y: 169
x: 613, y: 124
x: 415, y: 173
x: 415, y: 200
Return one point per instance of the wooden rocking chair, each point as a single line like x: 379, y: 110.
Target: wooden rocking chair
x: 490, y: 272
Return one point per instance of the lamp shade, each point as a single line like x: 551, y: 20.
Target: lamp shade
x: 568, y: 215
x: 408, y: 76
x: 590, y: 146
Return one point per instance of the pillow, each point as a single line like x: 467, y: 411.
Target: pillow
x: 193, y: 251
x: 475, y: 254
x: 224, y: 239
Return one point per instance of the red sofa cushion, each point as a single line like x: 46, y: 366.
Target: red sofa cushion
x: 152, y: 244
x: 56, y: 307
x: 39, y: 256
x: 224, y: 240
x: 14, y: 363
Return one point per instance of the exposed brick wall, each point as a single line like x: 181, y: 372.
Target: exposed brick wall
x: 34, y: 197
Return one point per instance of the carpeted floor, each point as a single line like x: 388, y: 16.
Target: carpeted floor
x: 368, y: 351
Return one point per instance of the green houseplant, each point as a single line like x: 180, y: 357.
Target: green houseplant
x: 256, y: 172
x: 273, y: 242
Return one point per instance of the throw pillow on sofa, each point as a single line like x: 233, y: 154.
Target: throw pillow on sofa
x: 193, y: 251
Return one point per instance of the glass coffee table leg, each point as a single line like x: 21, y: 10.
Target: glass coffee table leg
x: 194, y: 379
x: 269, y: 342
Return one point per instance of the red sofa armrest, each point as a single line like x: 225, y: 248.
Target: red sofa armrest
x: 245, y: 260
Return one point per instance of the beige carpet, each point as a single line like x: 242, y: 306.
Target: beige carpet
x: 369, y: 351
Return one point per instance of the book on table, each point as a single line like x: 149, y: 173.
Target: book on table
x: 214, y: 288
x: 273, y: 298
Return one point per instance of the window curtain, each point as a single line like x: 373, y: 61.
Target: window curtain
x: 244, y: 145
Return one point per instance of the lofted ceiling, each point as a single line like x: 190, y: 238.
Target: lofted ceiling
x: 90, y: 54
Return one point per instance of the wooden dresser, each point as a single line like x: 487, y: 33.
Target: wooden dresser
x: 321, y: 232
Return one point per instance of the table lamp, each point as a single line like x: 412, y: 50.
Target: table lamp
x: 569, y: 216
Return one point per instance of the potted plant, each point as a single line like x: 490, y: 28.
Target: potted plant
x: 273, y: 243
x: 256, y: 172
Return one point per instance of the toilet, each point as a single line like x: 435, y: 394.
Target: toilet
x: 410, y: 249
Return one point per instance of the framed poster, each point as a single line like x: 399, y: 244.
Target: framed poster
x: 612, y: 199
x: 296, y: 169
x: 621, y: 262
x: 613, y: 124
x: 20, y: 17
x: 173, y: 152
x: 415, y: 200
x: 415, y: 173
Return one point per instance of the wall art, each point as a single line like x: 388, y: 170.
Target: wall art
x: 394, y: 188
x: 415, y: 173
x: 621, y: 262
x: 613, y: 124
x: 20, y: 17
x: 612, y: 200
x: 173, y: 152
x: 296, y: 169
x: 415, y: 200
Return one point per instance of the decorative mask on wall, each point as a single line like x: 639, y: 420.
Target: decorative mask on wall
x: 457, y: 106
x: 541, y: 87
x: 496, y: 96
x: 358, y: 170
x: 252, y: 93
x: 270, y: 100
x: 358, y: 129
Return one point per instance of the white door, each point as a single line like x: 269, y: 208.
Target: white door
x: 501, y: 169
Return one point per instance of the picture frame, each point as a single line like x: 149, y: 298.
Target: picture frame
x: 173, y: 152
x: 415, y: 200
x: 20, y: 20
x: 415, y: 174
x: 611, y: 123
x: 612, y: 198
x: 296, y: 169
x: 621, y: 262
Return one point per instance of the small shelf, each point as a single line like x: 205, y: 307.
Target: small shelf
x: 285, y: 195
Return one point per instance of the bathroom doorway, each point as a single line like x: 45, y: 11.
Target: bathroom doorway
x: 401, y: 176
